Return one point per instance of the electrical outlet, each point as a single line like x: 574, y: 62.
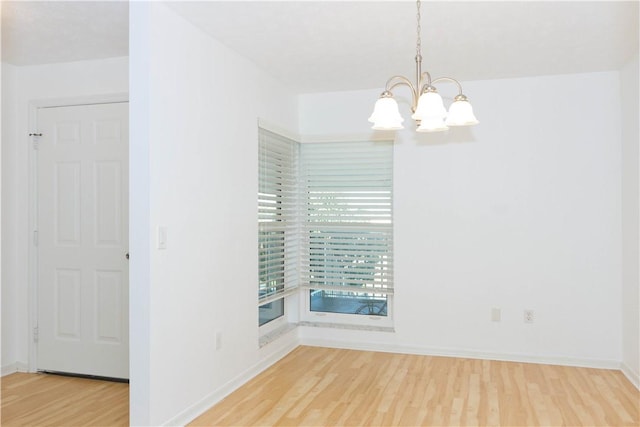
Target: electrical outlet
x: 495, y: 314
x: 528, y: 316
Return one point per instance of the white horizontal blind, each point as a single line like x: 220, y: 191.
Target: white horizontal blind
x: 277, y: 213
x: 347, y: 232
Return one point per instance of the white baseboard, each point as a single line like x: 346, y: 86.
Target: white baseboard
x: 632, y: 376
x: 217, y: 395
x: 194, y: 411
x: 468, y: 354
x: 14, y: 367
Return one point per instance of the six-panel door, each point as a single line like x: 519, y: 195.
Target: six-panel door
x: 83, y: 288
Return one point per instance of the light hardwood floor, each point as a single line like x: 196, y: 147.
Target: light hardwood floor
x: 329, y: 387
x: 319, y: 386
x: 53, y: 400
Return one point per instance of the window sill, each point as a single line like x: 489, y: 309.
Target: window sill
x: 346, y: 326
x: 276, y: 333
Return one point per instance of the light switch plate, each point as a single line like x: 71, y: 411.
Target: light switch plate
x: 162, y: 237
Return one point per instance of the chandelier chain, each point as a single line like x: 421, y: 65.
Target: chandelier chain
x: 418, y: 31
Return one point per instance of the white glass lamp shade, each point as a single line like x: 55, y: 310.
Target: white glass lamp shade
x: 461, y: 114
x: 430, y: 106
x: 432, y: 125
x: 386, y: 115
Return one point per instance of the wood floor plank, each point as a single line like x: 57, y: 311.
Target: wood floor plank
x: 53, y: 400
x: 315, y: 386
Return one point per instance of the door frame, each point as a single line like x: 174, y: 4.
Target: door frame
x: 32, y: 159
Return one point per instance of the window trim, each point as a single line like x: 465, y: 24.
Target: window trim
x: 276, y: 323
x: 343, y: 318
x: 296, y: 295
x: 282, y: 154
x: 335, y: 222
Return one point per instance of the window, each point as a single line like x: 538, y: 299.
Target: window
x: 325, y: 225
x: 277, y: 232
x: 347, y: 231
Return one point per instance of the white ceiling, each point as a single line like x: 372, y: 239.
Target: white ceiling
x: 340, y: 45
x: 42, y: 32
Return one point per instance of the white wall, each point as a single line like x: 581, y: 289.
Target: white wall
x: 194, y: 107
x: 2, y: 138
x: 9, y: 340
x: 630, y: 217
x: 20, y: 86
x: 520, y: 212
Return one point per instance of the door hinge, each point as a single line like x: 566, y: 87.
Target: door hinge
x: 36, y: 333
x: 35, y: 237
x: 35, y: 139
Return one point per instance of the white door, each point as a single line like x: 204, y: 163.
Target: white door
x: 82, y: 240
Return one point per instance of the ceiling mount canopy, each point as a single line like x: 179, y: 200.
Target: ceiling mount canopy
x: 427, y: 105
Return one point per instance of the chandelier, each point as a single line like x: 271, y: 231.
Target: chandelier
x: 427, y: 105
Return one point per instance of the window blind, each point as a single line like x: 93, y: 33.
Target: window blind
x: 277, y: 214
x: 347, y: 231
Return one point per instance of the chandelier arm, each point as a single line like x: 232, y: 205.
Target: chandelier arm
x: 402, y: 80
x: 397, y: 80
x: 422, y: 83
x: 449, y: 79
